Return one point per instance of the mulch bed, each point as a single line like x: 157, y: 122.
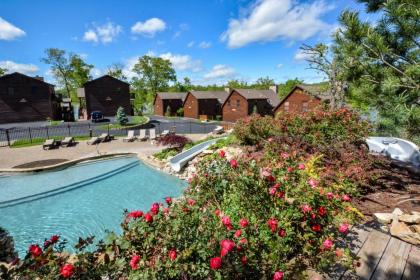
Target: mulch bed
x: 40, y: 163
x: 395, y: 187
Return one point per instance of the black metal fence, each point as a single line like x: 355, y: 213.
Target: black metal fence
x: 39, y: 134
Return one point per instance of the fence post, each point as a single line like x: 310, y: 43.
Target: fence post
x: 90, y: 132
x: 48, y: 135
x: 30, y: 134
x: 108, y: 129
x: 68, y: 126
x: 8, y: 137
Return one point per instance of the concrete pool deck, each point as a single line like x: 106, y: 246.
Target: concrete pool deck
x: 11, y: 157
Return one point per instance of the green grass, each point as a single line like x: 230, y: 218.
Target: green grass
x: 53, y: 123
x: 165, y: 153
x: 21, y: 143
x: 135, y: 120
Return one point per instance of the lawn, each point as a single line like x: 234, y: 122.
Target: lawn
x: 135, y: 120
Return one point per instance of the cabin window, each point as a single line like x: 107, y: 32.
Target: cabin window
x: 286, y: 106
x: 11, y: 91
x: 238, y: 103
x: 34, y: 90
x: 305, y: 106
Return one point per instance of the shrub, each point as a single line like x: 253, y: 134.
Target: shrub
x: 180, y: 112
x: 121, y: 117
x: 166, y: 153
x: 174, y: 140
x: 252, y: 130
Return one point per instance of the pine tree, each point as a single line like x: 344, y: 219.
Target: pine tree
x: 121, y: 117
x: 168, y: 111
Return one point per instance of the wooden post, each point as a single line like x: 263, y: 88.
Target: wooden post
x: 30, y: 134
x: 8, y: 137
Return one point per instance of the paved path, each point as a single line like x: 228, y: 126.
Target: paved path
x: 381, y: 257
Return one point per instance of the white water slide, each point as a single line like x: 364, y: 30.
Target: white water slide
x: 178, y: 161
x: 395, y: 148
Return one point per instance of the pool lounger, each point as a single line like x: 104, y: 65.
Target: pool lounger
x: 48, y: 144
x: 93, y: 140
x: 104, y: 137
x: 68, y: 141
x: 130, y: 136
x: 142, y: 136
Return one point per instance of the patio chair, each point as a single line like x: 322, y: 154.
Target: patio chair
x: 104, y: 137
x: 93, y: 140
x: 218, y: 130
x: 142, y: 136
x: 152, y: 134
x: 130, y: 136
x: 173, y: 130
x: 68, y: 141
x: 165, y: 132
x: 48, y: 144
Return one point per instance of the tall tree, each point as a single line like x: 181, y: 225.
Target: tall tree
x: 155, y: 73
x: 381, y: 61
x: 60, y: 67
x: 286, y: 87
x: 3, y: 71
x: 263, y: 83
x: 237, y: 84
x: 116, y: 71
x: 80, y: 71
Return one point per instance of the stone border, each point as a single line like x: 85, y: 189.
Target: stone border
x: 62, y: 164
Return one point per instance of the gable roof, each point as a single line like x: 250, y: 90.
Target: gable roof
x: 315, y: 91
x: 171, y: 95
x: 267, y: 94
x: 103, y: 77
x: 220, y: 95
x: 25, y: 76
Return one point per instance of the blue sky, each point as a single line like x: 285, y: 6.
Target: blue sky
x: 209, y: 41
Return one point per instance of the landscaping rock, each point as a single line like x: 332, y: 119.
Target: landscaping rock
x: 397, y: 211
x: 410, y: 219
x: 404, y: 232
x: 383, y: 218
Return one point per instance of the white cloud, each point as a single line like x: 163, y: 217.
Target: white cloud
x: 191, y: 44
x: 269, y: 20
x: 220, y: 71
x: 18, y: 67
x: 280, y: 65
x: 300, y: 55
x: 103, y: 33
x: 96, y: 72
x: 204, y: 45
x: 8, y: 31
x: 182, y: 62
x: 148, y: 28
x: 182, y: 28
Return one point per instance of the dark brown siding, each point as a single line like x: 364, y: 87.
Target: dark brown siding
x: 158, y: 106
x: 174, y: 105
x: 210, y: 108
x: 191, y: 107
x: 263, y: 107
x: 298, y: 101
x: 231, y: 111
x: 23, y: 98
x: 106, y: 94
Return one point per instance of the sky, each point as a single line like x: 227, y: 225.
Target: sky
x: 209, y: 41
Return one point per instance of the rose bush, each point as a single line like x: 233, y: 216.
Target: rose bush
x: 282, y: 206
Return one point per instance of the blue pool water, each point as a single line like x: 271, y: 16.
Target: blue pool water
x: 82, y: 200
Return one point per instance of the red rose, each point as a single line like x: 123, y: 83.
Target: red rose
x: 172, y: 255
x: 330, y: 195
x: 280, y: 194
x: 276, y: 185
x: 226, y: 222
x: 306, y: 208
x: 282, y: 232
x: 135, y: 214
x: 229, y: 245
x: 155, y: 208
x: 338, y: 253
x: 134, y: 262
x: 191, y: 202
x: 216, y: 263
x: 313, y: 216
x: 54, y: 238
x: 148, y: 218
x: 242, y: 241
x: 271, y: 178
x: 272, y: 224
x: 222, y: 153
x: 35, y: 250
x: 316, y: 228
x: 244, y: 223
x: 272, y: 191
x: 168, y: 200
x: 278, y: 275
x: 238, y: 233
x: 289, y: 169
x: 244, y: 260
x: 47, y: 243
x: 165, y: 210
x: 322, y: 211
x: 233, y: 163
x: 67, y: 270
x: 217, y: 212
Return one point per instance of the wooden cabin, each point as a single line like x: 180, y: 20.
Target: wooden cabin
x: 171, y: 101
x: 106, y: 94
x: 204, y: 105
x: 26, y: 99
x: 243, y: 102
x: 301, y: 98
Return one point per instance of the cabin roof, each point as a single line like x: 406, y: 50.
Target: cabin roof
x: 172, y: 95
x: 102, y: 77
x: 26, y: 76
x: 221, y: 95
x: 268, y: 94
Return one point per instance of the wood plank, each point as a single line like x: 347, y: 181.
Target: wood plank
x: 371, y: 253
x: 392, y: 263
x: 412, y: 267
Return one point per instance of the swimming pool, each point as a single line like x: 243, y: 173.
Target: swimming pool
x: 79, y: 201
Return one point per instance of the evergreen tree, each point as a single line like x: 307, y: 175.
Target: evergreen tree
x: 168, y: 111
x: 121, y: 117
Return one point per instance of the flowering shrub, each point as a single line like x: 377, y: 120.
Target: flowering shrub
x: 265, y: 215
x: 173, y: 140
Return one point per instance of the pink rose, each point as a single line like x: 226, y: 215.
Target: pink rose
x: 155, y: 208
x: 278, y: 275
x: 346, y: 198
x: 330, y: 195
x: 238, y: 233
x: 216, y: 263
x: 222, y: 153
x: 327, y: 244
x: 172, y: 254
x: 168, y: 200
x: 243, y: 222
x: 301, y: 166
x: 312, y: 182
x: 272, y: 191
x: 306, y: 208
x: 343, y: 228
x: 233, y: 163
x: 134, y: 262
x: 272, y: 224
x: 226, y: 221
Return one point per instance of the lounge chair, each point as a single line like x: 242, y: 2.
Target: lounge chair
x: 173, y: 130
x: 130, y: 136
x: 152, y: 134
x: 104, y: 137
x: 165, y: 132
x: 48, y: 144
x: 142, y: 136
x: 218, y: 130
x: 68, y: 141
x: 93, y: 140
